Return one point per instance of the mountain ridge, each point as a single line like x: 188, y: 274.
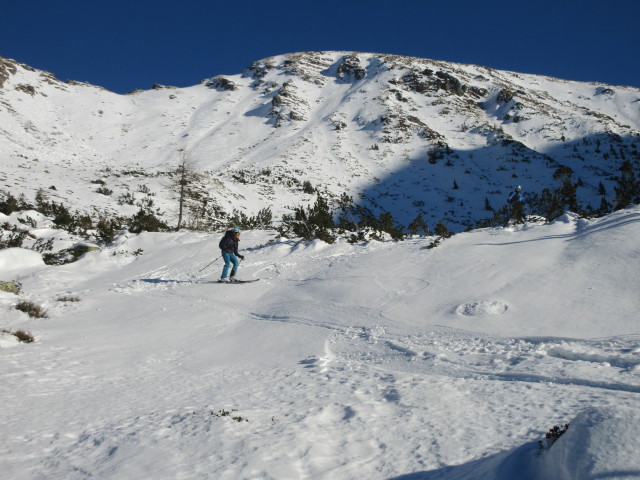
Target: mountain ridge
x: 399, y: 134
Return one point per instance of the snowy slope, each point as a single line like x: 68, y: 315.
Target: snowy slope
x: 394, y: 132
x: 382, y: 360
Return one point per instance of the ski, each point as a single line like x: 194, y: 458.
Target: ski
x: 236, y: 281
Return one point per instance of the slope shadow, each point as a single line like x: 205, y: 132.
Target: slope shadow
x: 609, y: 224
x: 517, y: 463
x: 456, y: 185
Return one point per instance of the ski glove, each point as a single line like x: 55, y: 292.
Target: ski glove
x: 241, y: 256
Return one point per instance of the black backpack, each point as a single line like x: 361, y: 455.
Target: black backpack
x: 226, y: 243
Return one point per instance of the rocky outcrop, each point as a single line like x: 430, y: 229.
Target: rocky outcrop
x: 221, y: 83
x: 350, y: 69
x: 7, y: 68
x: 286, y: 105
x: 428, y: 82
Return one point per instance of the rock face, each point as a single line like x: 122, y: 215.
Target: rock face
x: 9, y: 287
x: 396, y: 133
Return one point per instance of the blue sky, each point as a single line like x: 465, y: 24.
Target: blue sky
x: 127, y: 45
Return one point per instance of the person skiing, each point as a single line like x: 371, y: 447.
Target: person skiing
x: 230, y: 255
x: 515, y: 196
x: 515, y: 205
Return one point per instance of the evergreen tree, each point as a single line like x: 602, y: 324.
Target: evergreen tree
x: 567, y: 191
x: 550, y: 205
x: 442, y: 231
x: 311, y: 223
x: 418, y: 224
x: 387, y: 224
x: 628, y: 189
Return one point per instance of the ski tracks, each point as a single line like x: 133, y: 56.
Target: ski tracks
x: 612, y: 364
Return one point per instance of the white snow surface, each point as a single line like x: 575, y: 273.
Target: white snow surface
x: 381, y: 360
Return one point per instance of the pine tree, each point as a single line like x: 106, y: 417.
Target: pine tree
x: 442, y: 231
x: 310, y: 223
x: 628, y: 189
x: 387, y: 224
x: 418, y: 224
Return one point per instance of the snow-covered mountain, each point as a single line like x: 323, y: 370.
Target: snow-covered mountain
x: 381, y: 359
x: 399, y: 134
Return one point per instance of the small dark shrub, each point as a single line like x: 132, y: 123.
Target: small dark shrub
x: 307, y: 187
x: 67, y: 298
x: 14, y: 239
x: 23, y: 336
x: 442, y: 231
x: 126, y: 199
x: 145, y: 221
x: 68, y: 255
x: 104, y: 191
x: 32, y: 309
x: 108, y: 229
x: 552, y: 435
x: 262, y: 220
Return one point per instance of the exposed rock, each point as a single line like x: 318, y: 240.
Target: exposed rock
x: 7, y: 68
x: 9, y: 287
x: 259, y: 70
x: 221, y: 83
x: 505, y: 96
x: 30, y: 89
x: 350, y: 68
x: 426, y: 82
x: 286, y: 105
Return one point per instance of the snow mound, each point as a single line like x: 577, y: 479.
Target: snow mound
x: 482, y: 308
x: 8, y: 340
x: 600, y: 443
x: 17, y: 261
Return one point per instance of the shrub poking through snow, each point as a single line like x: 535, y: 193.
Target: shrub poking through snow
x: 31, y: 309
x: 552, y: 435
x: 227, y: 413
x: 22, y: 335
x: 68, y: 298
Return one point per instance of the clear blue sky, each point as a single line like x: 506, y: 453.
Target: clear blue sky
x: 127, y: 45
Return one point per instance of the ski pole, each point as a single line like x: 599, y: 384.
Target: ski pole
x: 209, y: 264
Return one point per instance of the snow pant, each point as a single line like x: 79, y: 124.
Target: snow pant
x: 229, y: 259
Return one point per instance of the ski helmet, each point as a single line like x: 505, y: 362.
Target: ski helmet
x: 237, y: 230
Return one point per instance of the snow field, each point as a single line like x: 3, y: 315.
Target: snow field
x: 386, y: 360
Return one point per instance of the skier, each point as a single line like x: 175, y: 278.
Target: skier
x: 230, y: 255
x: 515, y: 205
x: 515, y: 196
